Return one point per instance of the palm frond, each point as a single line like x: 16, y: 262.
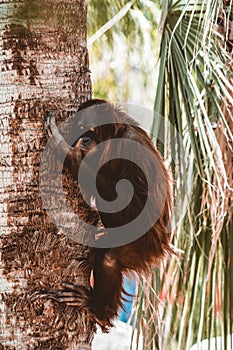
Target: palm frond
x: 194, y: 95
x: 113, y: 21
x: 107, y: 18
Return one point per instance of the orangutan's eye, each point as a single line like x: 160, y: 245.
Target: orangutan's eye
x: 86, y: 141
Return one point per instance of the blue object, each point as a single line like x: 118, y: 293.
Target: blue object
x: 129, y: 285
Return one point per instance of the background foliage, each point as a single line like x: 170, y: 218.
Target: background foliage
x: 126, y: 54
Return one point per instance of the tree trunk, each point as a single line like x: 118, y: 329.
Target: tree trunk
x: 44, y: 65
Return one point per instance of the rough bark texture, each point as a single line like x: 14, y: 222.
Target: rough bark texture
x: 44, y: 65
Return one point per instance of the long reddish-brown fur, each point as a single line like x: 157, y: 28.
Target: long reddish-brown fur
x: 111, y: 263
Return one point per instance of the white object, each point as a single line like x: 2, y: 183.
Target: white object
x: 119, y: 337
x: 215, y: 344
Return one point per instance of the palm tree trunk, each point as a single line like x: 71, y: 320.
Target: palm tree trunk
x: 44, y: 65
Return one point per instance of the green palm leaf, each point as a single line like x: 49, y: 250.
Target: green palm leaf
x: 194, y: 86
